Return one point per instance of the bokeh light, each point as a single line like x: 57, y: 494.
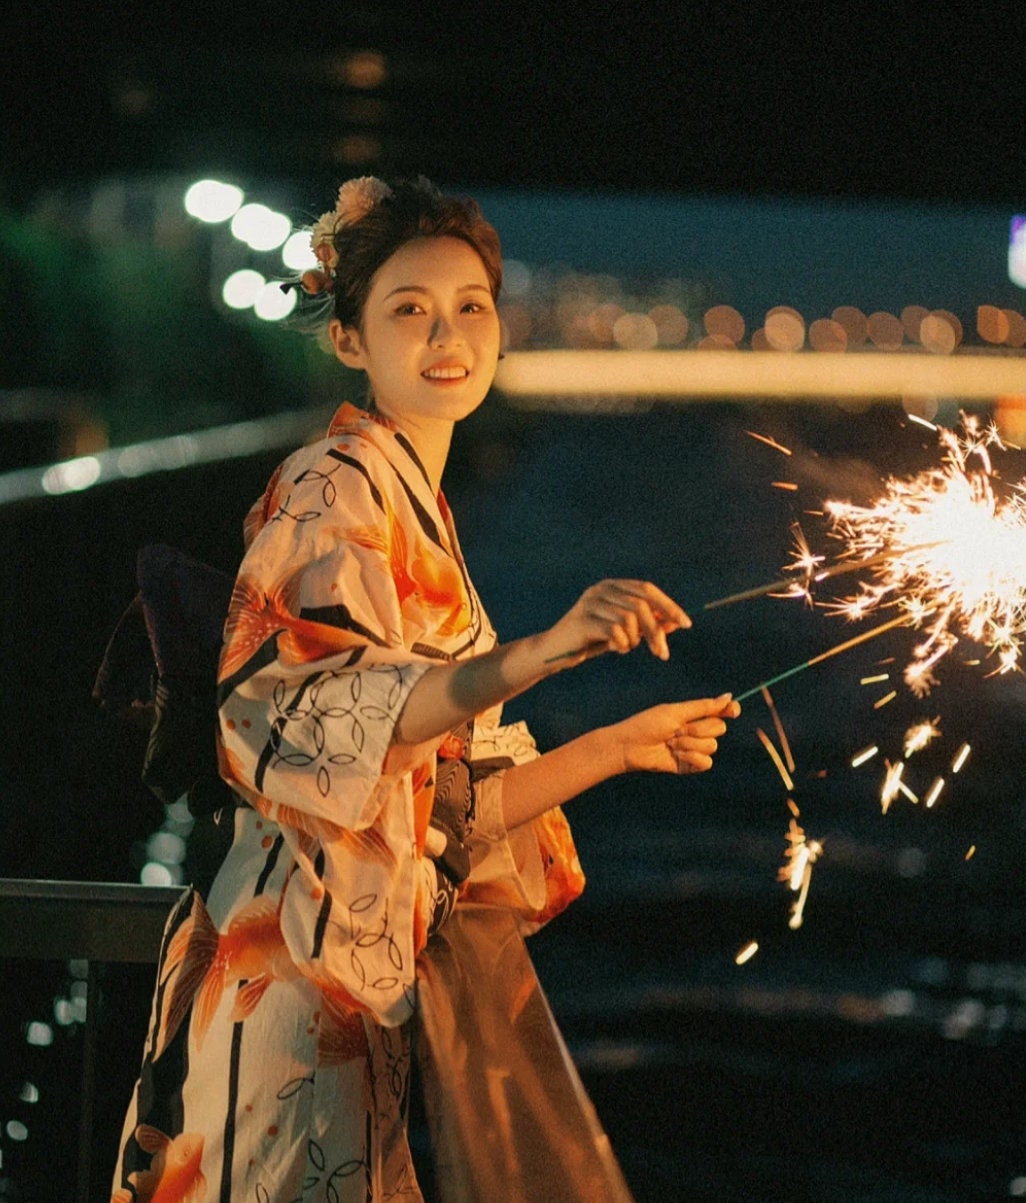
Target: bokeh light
x: 242, y: 288
x: 785, y: 328
x: 885, y: 331
x: 272, y: 303
x: 213, y: 201
x: 259, y: 227
x: 726, y: 322
x: 297, y: 253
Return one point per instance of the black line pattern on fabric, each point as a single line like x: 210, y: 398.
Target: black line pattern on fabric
x: 265, y: 654
x: 365, y: 938
x: 339, y: 615
x: 375, y: 492
x: 318, y: 708
x: 426, y: 521
x: 411, y: 451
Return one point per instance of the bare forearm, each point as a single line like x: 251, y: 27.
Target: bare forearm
x: 449, y: 694
x: 529, y: 790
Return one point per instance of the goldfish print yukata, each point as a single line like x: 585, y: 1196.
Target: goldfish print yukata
x: 278, y: 1055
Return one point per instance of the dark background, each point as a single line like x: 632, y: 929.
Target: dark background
x: 877, y: 1053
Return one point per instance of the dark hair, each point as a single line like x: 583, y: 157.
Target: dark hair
x: 415, y: 209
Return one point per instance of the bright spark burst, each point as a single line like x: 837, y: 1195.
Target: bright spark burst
x: 920, y: 735
x: 956, y: 553
x: 801, y: 854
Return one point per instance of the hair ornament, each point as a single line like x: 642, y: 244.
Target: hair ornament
x: 356, y: 198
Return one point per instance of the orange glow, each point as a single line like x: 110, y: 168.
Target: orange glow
x: 911, y: 319
x: 671, y: 325
x: 940, y: 332
x: 725, y: 320
x: 785, y: 329
x: 825, y: 334
x: 992, y: 324
x: 885, y: 331
x: 746, y: 953
x: 853, y: 322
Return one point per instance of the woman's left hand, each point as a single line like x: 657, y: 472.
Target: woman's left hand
x: 676, y: 737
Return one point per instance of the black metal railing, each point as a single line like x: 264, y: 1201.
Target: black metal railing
x: 95, y: 922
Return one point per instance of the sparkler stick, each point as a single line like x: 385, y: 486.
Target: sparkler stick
x: 902, y: 620
x: 823, y: 575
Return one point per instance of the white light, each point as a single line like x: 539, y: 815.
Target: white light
x: 241, y: 288
x: 16, y: 1130
x: 211, y: 201
x: 63, y: 1012
x: 260, y: 227
x: 153, y: 874
x: 72, y: 475
x: 29, y: 1093
x: 272, y: 304
x: 166, y: 847
x: 297, y: 253
x: 1017, y: 251
x: 39, y: 1034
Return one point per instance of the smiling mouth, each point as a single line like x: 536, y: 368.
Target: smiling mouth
x: 446, y: 373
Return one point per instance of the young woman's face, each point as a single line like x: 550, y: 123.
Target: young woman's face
x: 430, y: 337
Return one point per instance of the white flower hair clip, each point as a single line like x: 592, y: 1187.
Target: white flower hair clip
x: 356, y: 198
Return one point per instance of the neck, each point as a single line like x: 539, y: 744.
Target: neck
x: 431, y: 440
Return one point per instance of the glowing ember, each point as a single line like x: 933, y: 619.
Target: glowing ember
x: 935, y: 790
x: 961, y: 756
x: 764, y: 438
x: 746, y: 953
x: 864, y: 755
x: 955, y: 554
x: 800, y: 856
x: 767, y: 743
x: 920, y: 735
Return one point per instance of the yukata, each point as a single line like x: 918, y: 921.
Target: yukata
x: 277, y: 1061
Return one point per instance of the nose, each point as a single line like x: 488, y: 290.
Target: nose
x: 443, y: 332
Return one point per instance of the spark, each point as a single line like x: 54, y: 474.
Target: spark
x: 801, y: 854
x: 955, y: 553
x: 764, y: 438
x: 892, y: 784
x: 785, y: 747
x: 767, y: 743
x: 961, y: 756
x: 887, y: 697
x: 746, y: 953
x: 787, y: 485
x: 971, y: 853
x: 864, y: 755
x: 934, y: 793
x: 875, y: 680
x: 920, y: 735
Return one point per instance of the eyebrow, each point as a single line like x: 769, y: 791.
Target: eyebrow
x: 425, y: 291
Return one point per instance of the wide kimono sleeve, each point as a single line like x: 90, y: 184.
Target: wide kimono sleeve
x: 532, y: 870
x: 315, y: 670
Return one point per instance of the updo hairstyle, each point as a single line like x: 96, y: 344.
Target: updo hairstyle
x: 415, y: 209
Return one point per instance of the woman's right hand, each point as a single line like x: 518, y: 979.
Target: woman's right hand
x: 614, y: 616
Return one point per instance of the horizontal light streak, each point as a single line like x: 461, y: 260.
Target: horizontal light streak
x: 709, y: 373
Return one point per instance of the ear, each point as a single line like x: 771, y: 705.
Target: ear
x: 347, y: 343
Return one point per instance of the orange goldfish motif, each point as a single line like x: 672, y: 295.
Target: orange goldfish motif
x: 204, y: 963
x: 174, y: 1175
x: 255, y: 614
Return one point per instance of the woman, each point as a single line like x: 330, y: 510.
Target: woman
x: 360, y: 687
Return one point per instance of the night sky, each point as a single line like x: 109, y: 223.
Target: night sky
x: 743, y: 96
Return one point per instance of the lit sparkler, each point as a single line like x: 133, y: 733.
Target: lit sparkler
x: 954, y: 554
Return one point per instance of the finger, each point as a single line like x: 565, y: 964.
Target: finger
x: 693, y: 762
x: 667, y: 609
x: 698, y: 708
x: 692, y: 743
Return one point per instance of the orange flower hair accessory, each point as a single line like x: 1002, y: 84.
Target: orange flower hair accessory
x: 356, y: 198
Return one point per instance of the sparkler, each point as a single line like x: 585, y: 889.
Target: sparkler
x: 954, y: 554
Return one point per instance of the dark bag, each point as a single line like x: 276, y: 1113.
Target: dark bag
x: 160, y: 671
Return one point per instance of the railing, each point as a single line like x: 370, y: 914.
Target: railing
x: 95, y: 922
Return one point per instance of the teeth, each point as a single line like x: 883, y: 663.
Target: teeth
x: 445, y: 373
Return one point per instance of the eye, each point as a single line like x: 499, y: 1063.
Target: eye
x: 473, y: 307
x: 408, y: 309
